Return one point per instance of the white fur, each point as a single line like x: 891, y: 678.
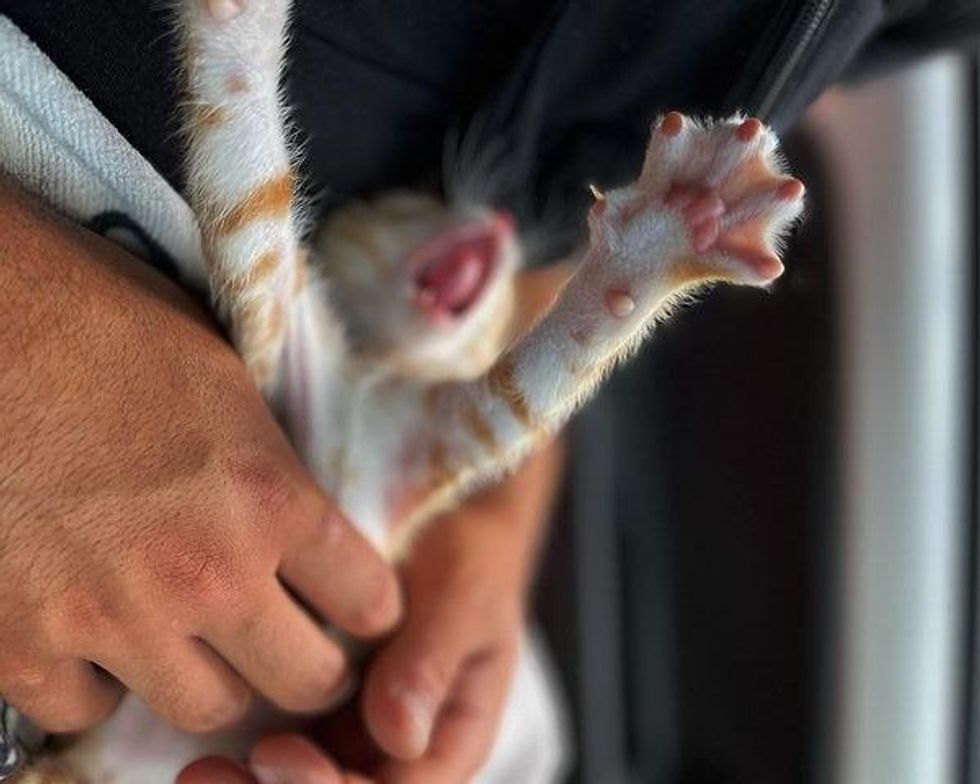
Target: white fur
x: 232, y: 66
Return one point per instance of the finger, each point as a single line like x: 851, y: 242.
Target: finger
x: 411, y: 677
x: 466, y: 728
x: 185, y: 683
x: 293, y: 759
x: 331, y: 565
x: 468, y: 723
x: 343, y: 732
x: 68, y: 696
x: 283, y: 653
x: 214, y: 770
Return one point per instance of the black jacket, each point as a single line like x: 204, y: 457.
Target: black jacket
x: 565, y: 88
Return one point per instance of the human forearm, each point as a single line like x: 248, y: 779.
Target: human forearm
x: 512, y: 516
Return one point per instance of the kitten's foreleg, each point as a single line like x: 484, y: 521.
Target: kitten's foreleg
x: 240, y: 179
x: 709, y: 205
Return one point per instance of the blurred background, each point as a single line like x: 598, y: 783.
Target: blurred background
x: 765, y: 564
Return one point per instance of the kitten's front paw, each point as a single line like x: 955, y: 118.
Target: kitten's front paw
x: 711, y: 203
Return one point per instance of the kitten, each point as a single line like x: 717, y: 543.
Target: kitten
x: 384, y: 343
x: 383, y: 346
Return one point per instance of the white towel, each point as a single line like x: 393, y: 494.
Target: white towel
x: 58, y: 145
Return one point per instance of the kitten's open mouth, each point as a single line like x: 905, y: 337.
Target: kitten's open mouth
x: 452, y: 270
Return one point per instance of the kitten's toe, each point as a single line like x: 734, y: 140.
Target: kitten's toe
x: 224, y: 10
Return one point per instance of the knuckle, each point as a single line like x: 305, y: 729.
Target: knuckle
x: 204, y: 574
x: 325, y: 532
x: 263, y: 492
x: 333, y: 527
x: 90, y: 613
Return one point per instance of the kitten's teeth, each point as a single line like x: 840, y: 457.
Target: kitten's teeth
x: 596, y: 193
x: 225, y: 10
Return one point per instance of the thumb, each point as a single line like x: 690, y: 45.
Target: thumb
x: 414, y: 673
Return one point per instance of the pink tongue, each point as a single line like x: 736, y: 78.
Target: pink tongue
x: 456, y: 279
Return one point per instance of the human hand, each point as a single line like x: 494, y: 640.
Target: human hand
x: 434, y: 693
x: 150, y: 505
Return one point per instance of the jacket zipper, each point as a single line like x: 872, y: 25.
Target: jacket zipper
x: 761, y: 95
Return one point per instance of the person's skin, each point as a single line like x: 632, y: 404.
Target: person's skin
x: 466, y: 584
x: 153, y: 518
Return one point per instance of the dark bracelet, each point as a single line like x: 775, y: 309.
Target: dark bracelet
x: 18, y: 740
x: 11, y: 755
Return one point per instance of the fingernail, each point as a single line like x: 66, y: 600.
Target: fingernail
x: 421, y: 712
x: 267, y: 775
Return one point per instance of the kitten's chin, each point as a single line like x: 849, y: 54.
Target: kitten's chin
x: 472, y: 344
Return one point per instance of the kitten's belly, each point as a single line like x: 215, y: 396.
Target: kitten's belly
x: 376, y: 462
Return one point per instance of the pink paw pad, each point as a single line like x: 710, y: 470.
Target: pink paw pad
x: 236, y: 82
x: 620, y: 303
x: 702, y: 210
x: 225, y: 10
x: 671, y: 124
x: 791, y: 190
x: 749, y: 129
